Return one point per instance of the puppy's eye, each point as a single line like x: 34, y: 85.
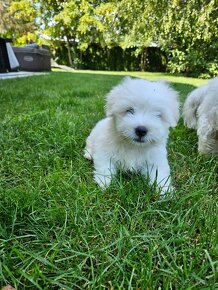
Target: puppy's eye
x: 130, y: 111
x: 158, y: 114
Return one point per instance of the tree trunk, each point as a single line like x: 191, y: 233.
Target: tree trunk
x: 69, y: 52
x: 143, y: 62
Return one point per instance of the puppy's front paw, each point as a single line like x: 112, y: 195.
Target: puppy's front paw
x: 87, y: 154
x: 102, y: 180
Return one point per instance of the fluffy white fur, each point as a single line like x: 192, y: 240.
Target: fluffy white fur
x: 133, y: 136
x: 200, y: 112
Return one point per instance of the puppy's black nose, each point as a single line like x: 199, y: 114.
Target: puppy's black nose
x: 141, y: 131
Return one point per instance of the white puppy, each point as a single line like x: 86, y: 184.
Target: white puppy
x: 133, y: 136
x: 200, y: 112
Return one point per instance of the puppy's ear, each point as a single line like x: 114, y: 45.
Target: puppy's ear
x: 171, y: 111
x: 171, y: 115
x: 114, y: 95
x: 192, y: 103
x: 110, y: 102
x: 212, y: 119
x: 175, y: 110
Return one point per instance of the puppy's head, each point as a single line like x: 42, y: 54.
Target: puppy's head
x: 143, y: 110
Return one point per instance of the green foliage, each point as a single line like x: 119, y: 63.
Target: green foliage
x: 18, y: 20
x: 186, y: 31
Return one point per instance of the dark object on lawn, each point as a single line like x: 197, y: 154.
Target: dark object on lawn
x: 8, y: 60
x: 33, y: 59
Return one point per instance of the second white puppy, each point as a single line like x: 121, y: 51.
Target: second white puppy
x: 133, y: 136
x: 200, y: 112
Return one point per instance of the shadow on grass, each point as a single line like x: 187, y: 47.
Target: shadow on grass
x: 180, y: 83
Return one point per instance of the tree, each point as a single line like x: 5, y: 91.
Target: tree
x: 189, y: 32
x: 18, y: 20
x: 186, y: 30
x: 79, y: 23
x: 3, y: 21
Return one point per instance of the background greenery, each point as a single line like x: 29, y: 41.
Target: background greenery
x: 185, y: 32
x: 58, y: 230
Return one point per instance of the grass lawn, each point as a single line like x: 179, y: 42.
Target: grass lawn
x: 58, y: 230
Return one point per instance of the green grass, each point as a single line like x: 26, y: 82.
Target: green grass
x: 58, y: 230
